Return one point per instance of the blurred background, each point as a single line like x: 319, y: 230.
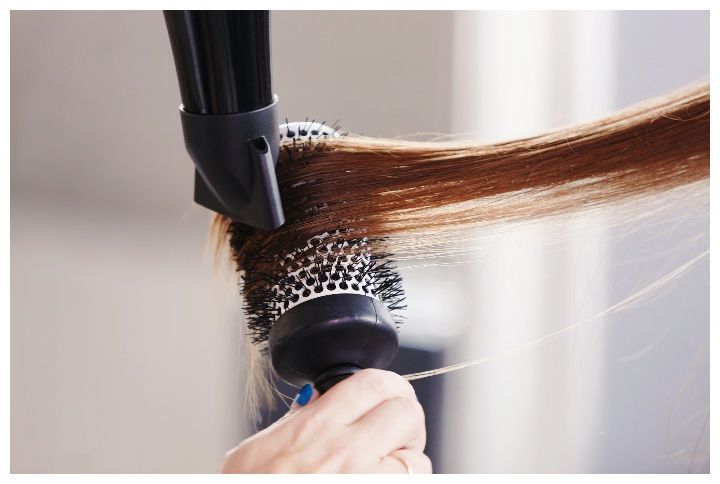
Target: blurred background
x: 126, y: 341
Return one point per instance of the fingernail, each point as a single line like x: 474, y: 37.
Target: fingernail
x: 304, y: 394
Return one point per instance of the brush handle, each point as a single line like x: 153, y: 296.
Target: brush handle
x: 222, y: 58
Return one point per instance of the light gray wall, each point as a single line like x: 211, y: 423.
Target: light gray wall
x: 379, y: 73
x: 659, y: 51
x: 656, y: 365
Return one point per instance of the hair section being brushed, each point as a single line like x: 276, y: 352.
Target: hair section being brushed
x: 419, y: 199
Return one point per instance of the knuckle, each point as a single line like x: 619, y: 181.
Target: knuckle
x: 315, y: 445
x: 426, y: 463
x: 335, y: 452
x: 340, y: 444
x: 308, y: 424
x: 282, y: 464
x: 410, y: 408
x: 385, y: 381
x: 228, y: 465
x: 237, y: 460
x: 406, y: 387
x: 291, y: 463
x: 375, y: 379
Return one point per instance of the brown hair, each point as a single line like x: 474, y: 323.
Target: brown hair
x: 417, y: 199
x: 412, y: 194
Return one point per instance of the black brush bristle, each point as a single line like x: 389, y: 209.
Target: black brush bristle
x: 299, y: 138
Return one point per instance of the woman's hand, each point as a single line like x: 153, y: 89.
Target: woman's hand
x: 370, y: 422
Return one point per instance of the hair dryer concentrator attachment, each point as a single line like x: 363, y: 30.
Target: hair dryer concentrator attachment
x: 235, y: 157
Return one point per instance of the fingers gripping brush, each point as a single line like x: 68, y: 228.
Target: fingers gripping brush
x: 322, y: 308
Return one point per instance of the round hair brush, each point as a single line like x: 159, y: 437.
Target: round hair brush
x: 326, y: 307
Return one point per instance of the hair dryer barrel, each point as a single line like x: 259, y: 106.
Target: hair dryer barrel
x: 222, y: 59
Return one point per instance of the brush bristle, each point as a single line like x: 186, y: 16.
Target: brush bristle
x: 331, y: 263
x: 299, y: 137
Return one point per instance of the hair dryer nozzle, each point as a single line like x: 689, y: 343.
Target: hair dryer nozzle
x: 235, y: 157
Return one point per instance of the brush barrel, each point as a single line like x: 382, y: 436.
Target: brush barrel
x: 325, y: 340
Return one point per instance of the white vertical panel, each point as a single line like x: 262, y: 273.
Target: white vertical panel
x: 519, y: 73
x: 594, y: 58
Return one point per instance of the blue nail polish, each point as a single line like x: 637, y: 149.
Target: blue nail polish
x: 304, y: 394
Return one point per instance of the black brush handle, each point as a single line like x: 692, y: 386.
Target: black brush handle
x: 222, y: 58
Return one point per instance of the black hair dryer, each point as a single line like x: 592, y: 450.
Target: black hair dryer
x: 228, y: 111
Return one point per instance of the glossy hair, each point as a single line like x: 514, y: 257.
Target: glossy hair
x: 423, y: 199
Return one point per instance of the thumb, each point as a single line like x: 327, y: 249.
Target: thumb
x: 306, y: 395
